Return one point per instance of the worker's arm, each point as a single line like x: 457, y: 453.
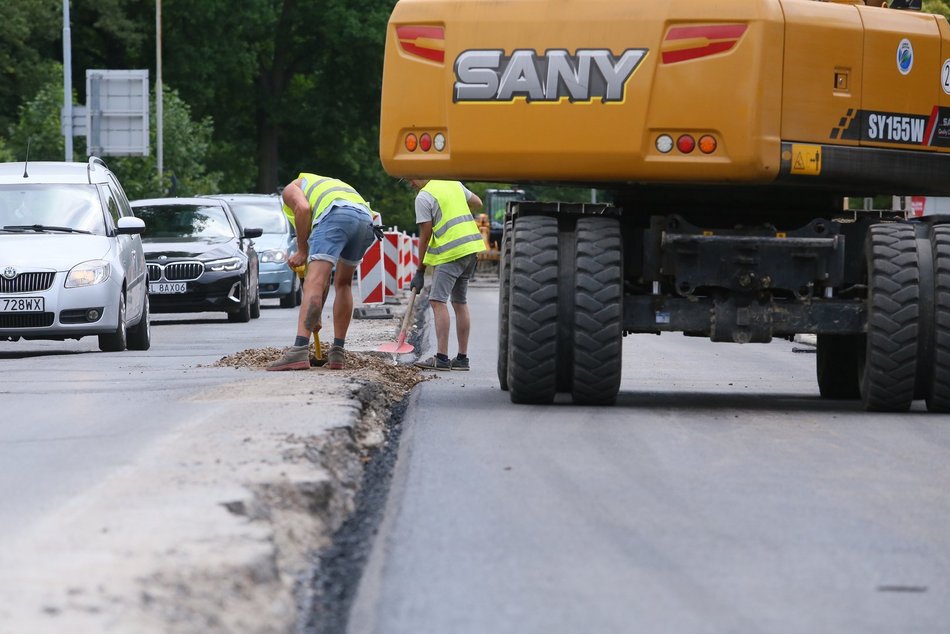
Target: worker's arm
x: 294, y: 198
x: 418, y: 279
x: 474, y: 203
x: 425, y: 233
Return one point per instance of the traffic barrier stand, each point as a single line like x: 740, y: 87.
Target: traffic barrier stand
x: 391, y: 264
x: 371, y: 282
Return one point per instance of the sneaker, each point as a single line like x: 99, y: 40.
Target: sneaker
x: 434, y: 363
x: 336, y: 358
x: 294, y: 358
x: 460, y: 364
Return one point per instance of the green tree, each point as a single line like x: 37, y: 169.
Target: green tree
x: 39, y: 127
x: 28, y: 52
x: 937, y: 6
x: 292, y: 84
x: 5, y: 154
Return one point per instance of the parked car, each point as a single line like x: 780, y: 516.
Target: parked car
x: 71, y: 258
x: 275, y: 245
x: 199, y: 258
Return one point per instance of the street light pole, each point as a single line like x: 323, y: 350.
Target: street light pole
x: 159, y: 100
x: 67, y: 83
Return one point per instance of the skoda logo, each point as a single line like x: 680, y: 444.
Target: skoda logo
x: 162, y: 258
x: 905, y: 56
x: 9, y: 273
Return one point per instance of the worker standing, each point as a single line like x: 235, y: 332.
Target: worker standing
x: 449, y: 240
x: 335, y: 226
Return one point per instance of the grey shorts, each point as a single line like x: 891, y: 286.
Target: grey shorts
x: 452, y: 279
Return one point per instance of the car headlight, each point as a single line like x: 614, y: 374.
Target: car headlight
x: 88, y: 274
x: 277, y: 256
x: 227, y: 264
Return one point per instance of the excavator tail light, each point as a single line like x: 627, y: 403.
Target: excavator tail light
x: 707, y: 144
x: 425, y: 142
x: 664, y: 143
x: 686, y: 144
x: 411, y: 142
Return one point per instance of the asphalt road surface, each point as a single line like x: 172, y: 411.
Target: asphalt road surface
x: 720, y: 494
x: 72, y: 415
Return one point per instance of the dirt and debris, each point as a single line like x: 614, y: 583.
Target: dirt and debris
x: 397, y: 379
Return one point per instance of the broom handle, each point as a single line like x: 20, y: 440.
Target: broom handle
x: 406, y: 317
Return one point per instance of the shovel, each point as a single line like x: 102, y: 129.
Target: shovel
x: 400, y: 346
x: 319, y: 359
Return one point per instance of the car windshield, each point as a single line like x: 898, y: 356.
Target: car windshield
x: 74, y: 207
x: 184, y: 221
x: 265, y: 214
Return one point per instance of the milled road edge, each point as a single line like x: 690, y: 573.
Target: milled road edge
x: 332, y: 586
x: 326, y: 595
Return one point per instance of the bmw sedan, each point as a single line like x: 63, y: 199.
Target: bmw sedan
x: 71, y: 259
x: 274, y: 247
x: 199, y: 258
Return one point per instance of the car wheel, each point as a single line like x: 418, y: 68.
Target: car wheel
x: 504, y: 296
x: 243, y: 314
x: 116, y: 341
x: 140, y: 335
x: 888, y: 363
x: 291, y: 299
x: 256, y: 306
x: 598, y: 311
x: 533, y: 311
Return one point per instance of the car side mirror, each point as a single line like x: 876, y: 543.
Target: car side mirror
x: 129, y: 225
x: 253, y: 233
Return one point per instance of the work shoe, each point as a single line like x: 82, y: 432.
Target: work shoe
x: 294, y: 358
x: 336, y: 358
x: 460, y: 364
x: 434, y: 363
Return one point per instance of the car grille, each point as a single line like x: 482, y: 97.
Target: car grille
x: 176, y: 271
x: 27, y: 283
x: 26, y: 320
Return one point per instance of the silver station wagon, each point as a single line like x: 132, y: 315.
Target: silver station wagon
x: 71, y: 257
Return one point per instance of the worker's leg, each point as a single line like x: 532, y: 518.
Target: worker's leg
x: 343, y: 302
x: 354, y: 232
x: 463, y: 325
x: 463, y: 322
x: 316, y: 286
x: 440, y: 315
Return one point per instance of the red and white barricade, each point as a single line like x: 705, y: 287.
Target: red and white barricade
x: 391, y: 262
x: 415, y: 254
x: 371, y: 283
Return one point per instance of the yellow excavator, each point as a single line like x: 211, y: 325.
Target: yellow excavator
x: 731, y: 135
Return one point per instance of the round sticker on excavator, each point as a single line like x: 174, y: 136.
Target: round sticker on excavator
x: 905, y: 57
x: 945, y: 76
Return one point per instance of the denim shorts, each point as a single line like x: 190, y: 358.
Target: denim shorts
x: 344, y: 234
x: 452, y: 279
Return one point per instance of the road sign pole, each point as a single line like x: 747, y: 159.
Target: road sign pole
x: 159, y: 97
x: 67, y: 83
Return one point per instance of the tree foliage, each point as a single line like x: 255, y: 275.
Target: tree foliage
x: 941, y: 7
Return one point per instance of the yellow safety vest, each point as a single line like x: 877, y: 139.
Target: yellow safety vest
x: 455, y: 234
x: 321, y: 191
